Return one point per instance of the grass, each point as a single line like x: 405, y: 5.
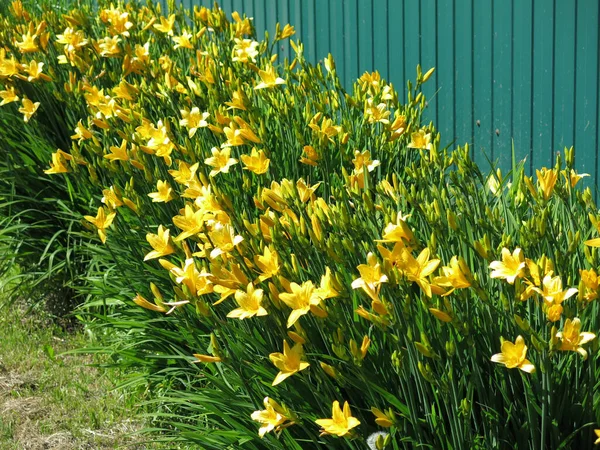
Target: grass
x: 51, y: 400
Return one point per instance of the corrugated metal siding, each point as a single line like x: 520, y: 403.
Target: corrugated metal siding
x: 526, y: 70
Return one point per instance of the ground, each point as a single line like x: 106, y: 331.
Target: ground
x: 50, y: 400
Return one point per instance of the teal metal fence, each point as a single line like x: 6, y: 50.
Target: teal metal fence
x: 522, y: 70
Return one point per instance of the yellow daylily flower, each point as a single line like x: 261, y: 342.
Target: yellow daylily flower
x: 455, y: 276
x: 572, y: 178
x: 269, y: 78
x: 207, y: 358
x: 421, y: 140
x: 417, y: 270
x: 165, y: 193
x: 183, y: 41
x: 301, y: 299
x: 249, y: 302
x: 245, y: 50
x: 220, y: 160
x: 272, y: 417
x: 28, y: 45
x: 102, y: 221
x: 288, y: 30
x: 340, y: 423
x: 193, y: 120
x: 118, y: 153
x: 571, y: 339
x: 289, y: 362
x: 546, y: 181
x: 268, y: 263
x: 376, y: 113
x: 591, y: 284
x: 513, y: 356
x: 597, y: 441
x: 35, y: 71
x: 256, y: 162
x: 326, y: 289
x: 223, y: 239
x: 110, y: 198
x: 141, y: 301
x: 58, y: 163
x: 511, y: 267
x: 28, y: 109
x: 160, y: 243
x: 166, y: 25
x: 8, y: 96
x: 109, y: 46
x: 190, y: 221
x: 382, y: 419
x: 81, y: 133
x: 370, y: 278
x: 398, y: 232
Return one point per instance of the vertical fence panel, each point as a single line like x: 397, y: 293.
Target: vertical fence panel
x: 502, y: 84
x: 586, y: 88
x: 428, y: 53
x: 412, y: 36
x: 351, y: 42
x: 397, y: 47
x: 381, y: 38
x: 564, y: 79
x: 522, y: 79
x: 337, y: 36
x: 445, y: 71
x: 463, y: 73
x: 543, y: 76
x: 482, y: 83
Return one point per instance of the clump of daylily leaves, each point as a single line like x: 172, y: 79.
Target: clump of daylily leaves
x: 301, y: 266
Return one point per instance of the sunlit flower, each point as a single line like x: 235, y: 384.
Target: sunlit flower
x: 245, y: 50
x: 513, y: 355
x: 546, y: 181
x: 256, y: 161
x: 340, y: 423
x: 220, y: 160
x: 193, y: 120
x: 58, y: 163
x: 183, y: 41
x: 160, y: 242
x: 289, y: 362
x: 8, y: 96
x: 250, y: 303
x: 571, y: 339
x: 165, y: 192
x: 28, y: 109
x: 301, y: 299
x: 118, y: 153
x: 109, y: 46
x: 511, y: 267
x: 272, y: 417
x: 420, y: 139
x: 269, y: 78
x: 102, y: 221
x: 166, y: 25
x: 370, y: 278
